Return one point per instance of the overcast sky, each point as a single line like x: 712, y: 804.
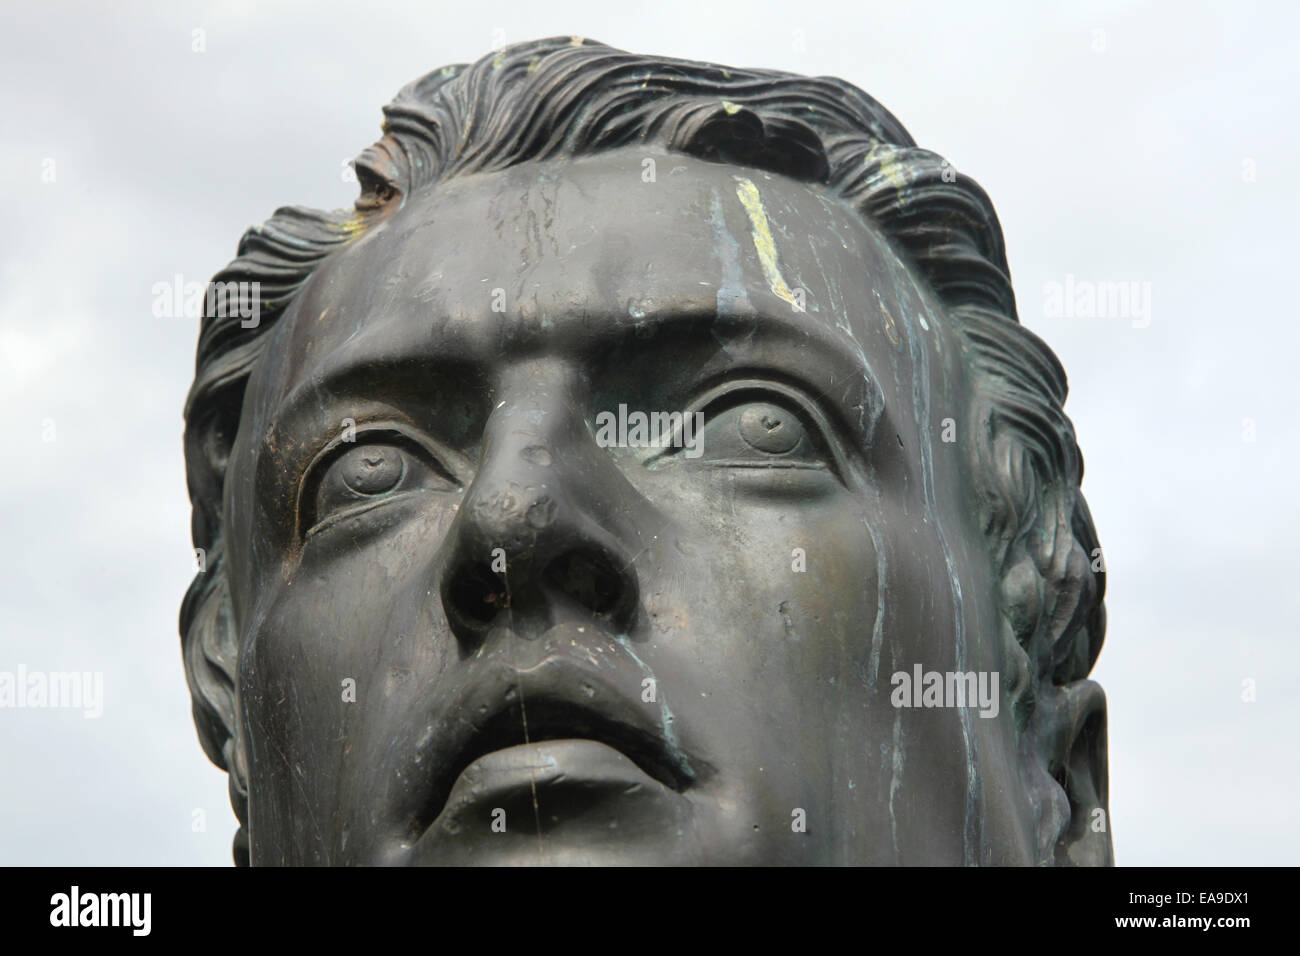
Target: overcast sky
x: 1153, y: 144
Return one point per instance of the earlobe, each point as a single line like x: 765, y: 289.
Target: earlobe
x: 1074, y: 749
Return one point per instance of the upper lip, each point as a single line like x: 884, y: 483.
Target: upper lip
x: 566, y: 694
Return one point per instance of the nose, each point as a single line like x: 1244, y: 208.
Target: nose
x: 542, y: 534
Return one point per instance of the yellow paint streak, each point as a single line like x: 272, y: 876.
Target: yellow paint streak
x: 763, y: 242
x: 890, y: 168
x: 891, y: 330
x: 731, y: 108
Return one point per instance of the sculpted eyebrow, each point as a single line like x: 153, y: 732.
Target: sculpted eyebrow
x: 814, y: 357
x: 409, y: 373
x: 819, y: 361
x: 410, y: 385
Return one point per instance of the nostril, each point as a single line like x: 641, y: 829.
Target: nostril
x: 590, y: 579
x: 478, y: 592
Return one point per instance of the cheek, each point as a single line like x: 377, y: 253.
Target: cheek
x: 770, y: 605
x: 354, y: 625
x: 813, y: 591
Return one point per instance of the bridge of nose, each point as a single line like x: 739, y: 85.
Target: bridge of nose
x: 533, y: 446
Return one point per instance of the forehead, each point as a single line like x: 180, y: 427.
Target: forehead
x: 568, y: 255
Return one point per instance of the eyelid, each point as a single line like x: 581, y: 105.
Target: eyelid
x: 351, y: 511
x: 390, y: 432
x: 764, y: 387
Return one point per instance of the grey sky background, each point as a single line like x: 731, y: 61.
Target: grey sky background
x: 1120, y: 142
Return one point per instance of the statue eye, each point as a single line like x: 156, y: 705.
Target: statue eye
x: 756, y: 428
x: 752, y: 432
x: 359, y: 476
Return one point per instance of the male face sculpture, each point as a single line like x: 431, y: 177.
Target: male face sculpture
x: 840, y: 612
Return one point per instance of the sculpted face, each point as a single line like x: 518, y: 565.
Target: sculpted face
x: 474, y: 631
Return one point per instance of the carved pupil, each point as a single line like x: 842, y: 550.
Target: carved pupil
x: 769, y: 429
x: 372, y: 470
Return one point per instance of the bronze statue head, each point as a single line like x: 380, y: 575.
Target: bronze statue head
x: 650, y: 468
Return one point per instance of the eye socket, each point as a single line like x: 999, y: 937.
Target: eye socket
x: 756, y: 425
x: 762, y: 430
x: 356, y: 477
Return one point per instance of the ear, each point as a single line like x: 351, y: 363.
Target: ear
x: 1069, y: 726
x: 209, y: 639
x: 210, y: 648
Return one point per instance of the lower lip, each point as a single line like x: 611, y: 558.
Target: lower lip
x: 551, y: 785
x: 547, y: 765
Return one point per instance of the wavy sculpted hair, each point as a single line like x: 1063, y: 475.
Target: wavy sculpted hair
x: 571, y: 96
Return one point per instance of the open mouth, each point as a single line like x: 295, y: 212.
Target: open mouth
x: 549, y: 719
